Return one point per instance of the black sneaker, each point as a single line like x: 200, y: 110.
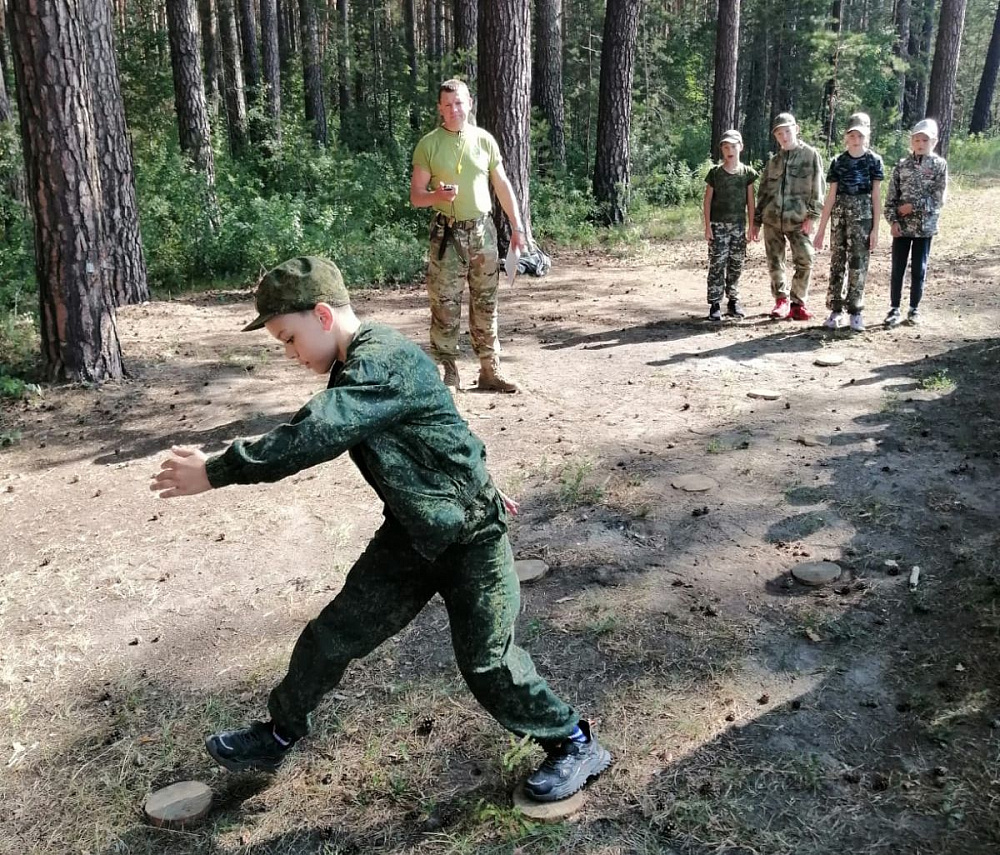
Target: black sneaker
x: 735, y: 310
x: 567, y: 768
x: 253, y: 748
x: 714, y: 312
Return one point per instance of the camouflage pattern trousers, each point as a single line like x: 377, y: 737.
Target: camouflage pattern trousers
x: 726, y: 253
x: 850, y: 229
x: 802, y: 259
x: 388, y: 586
x: 459, y: 255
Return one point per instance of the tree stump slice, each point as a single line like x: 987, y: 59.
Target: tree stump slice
x: 816, y: 573
x: 548, y: 811
x: 179, y: 805
x: 764, y: 394
x: 530, y: 569
x: 829, y: 360
x: 693, y: 483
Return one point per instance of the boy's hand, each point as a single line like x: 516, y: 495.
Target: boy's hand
x: 905, y: 210
x: 873, y: 240
x: 896, y: 230
x: 818, y: 240
x: 511, y: 506
x: 807, y: 227
x: 181, y: 474
x: 708, y: 234
x: 755, y: 233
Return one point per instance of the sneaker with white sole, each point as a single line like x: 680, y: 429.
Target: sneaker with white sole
x: 857, y: 322
x: 568, y: 767
x: 253, y: 748
x: 835, y: 321
x: 913, y: 317
x: 893, y: 319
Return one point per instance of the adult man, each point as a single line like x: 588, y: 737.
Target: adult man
x: 453, y: 168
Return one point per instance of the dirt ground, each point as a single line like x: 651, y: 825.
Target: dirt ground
x: 746, y: 712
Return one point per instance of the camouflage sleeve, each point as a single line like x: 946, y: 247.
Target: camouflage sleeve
x: 939, y: 189
x: 892, y: 198
x: 817, y: 191
x: 331, y: 423
x: 765, y: 191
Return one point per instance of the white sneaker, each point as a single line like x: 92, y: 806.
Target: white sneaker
x: 913, y: 317
x: 835, y: 321
x: 857, y: 323
x: 893, y: 319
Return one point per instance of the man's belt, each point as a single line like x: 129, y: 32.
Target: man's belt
x: 463, y: 225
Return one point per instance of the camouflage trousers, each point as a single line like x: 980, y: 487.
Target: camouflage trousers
x: 469, y: 254
x: 850, y: 229
x: 388, y: 586
x: 802, y: 259
x: 726, y: 253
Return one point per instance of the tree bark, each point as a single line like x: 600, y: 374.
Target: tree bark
x: 189, y: 86
x: 466, y: 17
x: 941, y: 90
x: 344, y: 70
x: 410, y: 39
x: 271, y: 53
x: 251, y: 56
x: 902, y: 47
x: 285, y: 49
x: 210, y: 52
x: 830, y: 91
x: 548, y: 79
x: 614, y: 112
x: 125, y: 260
x: 312, y: 71
x: 505, y: 99
x: 915, y: 89
x: 987, y: 83
x: 78, y: 331
x: 727, y: 50
x: 235, y: 99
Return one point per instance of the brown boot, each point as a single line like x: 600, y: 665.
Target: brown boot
x: 450, y: 373
x: 491, y: 379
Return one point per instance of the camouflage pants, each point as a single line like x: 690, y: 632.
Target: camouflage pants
x: 802, y: 259
x: 850, y: 229
x: 388, y: 586
x: 725, y: 260
x: 470, y: 255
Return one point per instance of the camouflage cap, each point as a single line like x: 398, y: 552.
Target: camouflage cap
x: 927, y: 127
x: 859, y: 122
x: 298, y: 285
x: 732, y: 136
x: 783, y: 120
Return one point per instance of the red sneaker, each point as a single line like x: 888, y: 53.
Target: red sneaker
x: 781, y: 309
x: 799, y: 312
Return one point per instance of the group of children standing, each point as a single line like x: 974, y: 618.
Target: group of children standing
x: 790, y: 201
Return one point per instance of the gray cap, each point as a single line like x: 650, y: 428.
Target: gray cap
x: 732, y: 136
x: 783, y: 120
x: 298, y: 285
x: 859, y: 122
x: 927, y: 127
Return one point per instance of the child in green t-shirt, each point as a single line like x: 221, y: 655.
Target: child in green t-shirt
x: 728, y: 198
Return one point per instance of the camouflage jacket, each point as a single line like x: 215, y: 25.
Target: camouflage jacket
x: 387, y: 406
x: 792, y: 187
x: 924, y: 185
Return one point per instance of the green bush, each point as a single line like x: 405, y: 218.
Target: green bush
x: 978, y: 154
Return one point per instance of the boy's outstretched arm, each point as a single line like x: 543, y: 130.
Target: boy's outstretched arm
x: 181, y: 474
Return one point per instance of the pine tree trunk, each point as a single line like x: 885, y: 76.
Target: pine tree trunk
x: 902, y: 47
x: 915, y: 89
x: 505, y: 99
x: 548, y: 81
x: 12, y: 177
x: 125, y: 260
x: 251, y: 56
x: 210, y: 51
x: 466, y: 19
x: 312, y: 71
x: 344, y: 70
x: 78, y: 332
x: 285, y: 50
x: 189, y: 86
x: 830, y: 91
x: 410, y: 39
x: 941, y: 90
x: 614, y: 114
x: 236, y: 105
x: 271, y: 54
x: 727, y: 48
x: 987, y: 83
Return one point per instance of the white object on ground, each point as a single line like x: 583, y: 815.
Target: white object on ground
x: 510, y: 263
x: 914, y: 578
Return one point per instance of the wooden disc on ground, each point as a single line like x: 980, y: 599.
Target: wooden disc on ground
x: 693, y: 483
x: 548, y: 811
x: 529, y: 569
x: 764, y: 394
x: 179, y: 805
x: 828, y: 360
x: 817, y: 573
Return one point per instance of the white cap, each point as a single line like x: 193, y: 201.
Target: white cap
x: 927, y: 127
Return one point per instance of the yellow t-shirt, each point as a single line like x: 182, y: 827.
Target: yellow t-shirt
x: 466, y: 159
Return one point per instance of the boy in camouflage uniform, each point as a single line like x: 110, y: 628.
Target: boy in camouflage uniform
x: 854, y: 182
x: 913, y: 203
x: 788, y: 203
x: 454, y: 167
x: 445, y: 528
x: 728, y: 197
